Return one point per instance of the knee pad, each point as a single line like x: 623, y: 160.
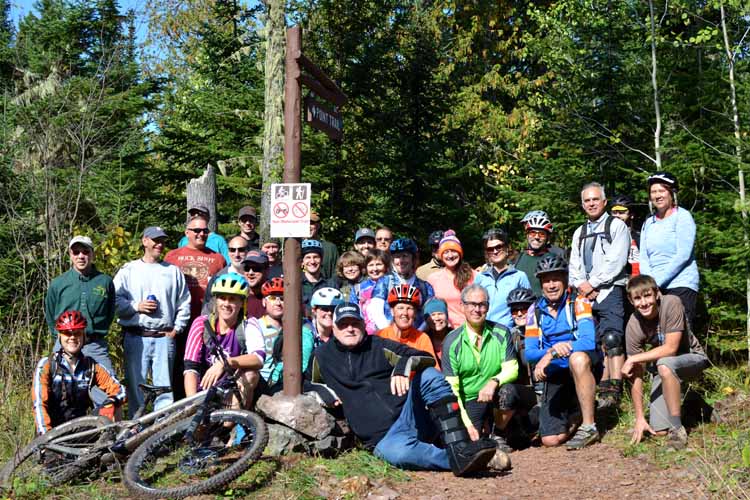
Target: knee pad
x: 507, y: 397
x: 612, y: 341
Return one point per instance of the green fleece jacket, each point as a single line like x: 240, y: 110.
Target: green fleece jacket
x: 93, y: 295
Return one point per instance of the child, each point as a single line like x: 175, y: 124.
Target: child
x: 675, y: 356
x: 67, y: 383
x: 350, y: 269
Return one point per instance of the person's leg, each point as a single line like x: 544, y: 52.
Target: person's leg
x: 247, y: 382
x: 553, y: 414
x: 135, y: 370
x: 99, y: 350
x: 672, y: 371
x: 688, y: 298
x: 610, y: 333
x: 161, y: 368
x: 580, y: 368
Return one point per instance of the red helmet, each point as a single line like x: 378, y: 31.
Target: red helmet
x: 70, y: 320
x: 274, y: 286
x: 407, y: 294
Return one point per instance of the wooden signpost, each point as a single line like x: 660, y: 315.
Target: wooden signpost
x: 329, y: 121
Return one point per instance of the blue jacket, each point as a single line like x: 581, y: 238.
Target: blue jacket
x: 498, y: 289
x: 667, y: 250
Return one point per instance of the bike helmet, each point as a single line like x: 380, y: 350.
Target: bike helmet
x: 274, y: 286
x: 520, y: 296
x: 539, y: 221
x: 435, y: 237
x: 312, y: 246
x: 408, y: 294
x: 404, y: 245
x: 534, y: 213
x: 551, y: 263
x: 230, y: 284
x: 665, y: 178
x: 326, y: 296
x: 495, y: 234
x: 622, y: 200
x: 69, y: 321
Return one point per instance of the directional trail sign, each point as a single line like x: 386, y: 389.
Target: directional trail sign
x: 290, y: 210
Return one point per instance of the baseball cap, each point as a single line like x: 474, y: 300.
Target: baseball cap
x: 255, y: 257
x: 154, y: 232
x: 346, y: 310
x: 364, y: 232
x: 199, y: 207
x: 83, y: 240
x: 247, y: 210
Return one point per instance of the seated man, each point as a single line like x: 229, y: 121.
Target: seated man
x: 404, y: 301
x: 675, y: 356
x: 560, y: 339
x: 67, y: 383
x: 243, y: 351
x: 370, y: 378
x: 479, y: 362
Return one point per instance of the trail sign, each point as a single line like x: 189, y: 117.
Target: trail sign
x: 290, y: 210
x: 324, y: 119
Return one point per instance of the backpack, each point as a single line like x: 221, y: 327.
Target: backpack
x: 239, y: 334
x: 68, y: 401
x: 606, y: 234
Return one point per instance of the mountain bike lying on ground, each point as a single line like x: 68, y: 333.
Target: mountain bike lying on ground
x: 190, y: 447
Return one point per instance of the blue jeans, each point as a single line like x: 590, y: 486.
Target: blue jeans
x: 98, y: 349
x: 144, y: 354
x: 405, y: 443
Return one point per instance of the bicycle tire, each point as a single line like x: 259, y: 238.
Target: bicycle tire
x: 209, y: 464
x: 62, y: 470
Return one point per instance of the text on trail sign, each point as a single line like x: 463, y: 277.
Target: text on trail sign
x: 324, y: 119
x: 290, y: 210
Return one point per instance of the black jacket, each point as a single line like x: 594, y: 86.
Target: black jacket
x: 361, y: 380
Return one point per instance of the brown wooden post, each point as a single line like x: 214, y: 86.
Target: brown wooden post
x: 292, y: 321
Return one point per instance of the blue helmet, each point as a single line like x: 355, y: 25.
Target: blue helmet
x: 312, y: 246
x: 404, y: 245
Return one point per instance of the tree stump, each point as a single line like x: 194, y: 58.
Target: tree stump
x: 203, y: 191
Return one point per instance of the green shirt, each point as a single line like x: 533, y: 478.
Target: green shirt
x: 93, y: 295
x: 468, y: 370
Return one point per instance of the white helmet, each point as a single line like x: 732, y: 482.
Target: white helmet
x: 326, y: 296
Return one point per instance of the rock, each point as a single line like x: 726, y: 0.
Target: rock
x: 283, y: 441
x: 500, y: 462
x: 330, y: 446
x: 301, y: 413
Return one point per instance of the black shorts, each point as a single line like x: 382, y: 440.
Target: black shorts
x: 508, y: 397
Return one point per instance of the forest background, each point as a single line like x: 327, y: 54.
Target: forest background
x: 461, y: 115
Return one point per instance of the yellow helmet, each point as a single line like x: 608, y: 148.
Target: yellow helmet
x: 230, y: 284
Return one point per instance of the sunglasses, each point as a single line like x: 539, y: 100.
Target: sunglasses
x: 275, y: 298
x: 516, y: 310
x: 536, y: 233
x: 237, y: 249
x: 477, y: 305
x: 495, y: 249
x: 78, y: 251
x: 253, y: 268
x: 199, y: 230
x: 620, y: 212
x: 326, y: 308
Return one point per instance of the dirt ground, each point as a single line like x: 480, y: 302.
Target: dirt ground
x: 599, y: 471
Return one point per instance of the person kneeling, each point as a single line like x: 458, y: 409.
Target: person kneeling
x: 396, y: 416
x: 560, y: 339
x: 676, y: 356
x: 245, y: 353
x: 67, y: 383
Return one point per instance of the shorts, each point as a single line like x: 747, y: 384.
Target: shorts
x: 686, y: 367
x: 508, y: 397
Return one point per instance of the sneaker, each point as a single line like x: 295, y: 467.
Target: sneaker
x: 583, y: 438
x: 500, y: 461
x: 677, y: 439
x: 501, y: 443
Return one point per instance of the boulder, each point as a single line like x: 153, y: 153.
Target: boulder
x: 301, y: 413
x: 283, y: 441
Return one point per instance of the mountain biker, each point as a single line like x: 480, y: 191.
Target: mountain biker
x: 622, y: 208
x: 67, y: 382
x: 539, y: 230
x: 243, y: 351
x: 404, y: 301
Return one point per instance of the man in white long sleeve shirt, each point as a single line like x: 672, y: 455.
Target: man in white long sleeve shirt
x: 598, y: 260
x: 153, y: 307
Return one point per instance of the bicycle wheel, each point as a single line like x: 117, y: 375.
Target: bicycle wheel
x: 167, y: 466
x: 43, y: 462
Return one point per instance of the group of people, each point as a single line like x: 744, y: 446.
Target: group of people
x: 440, y: 366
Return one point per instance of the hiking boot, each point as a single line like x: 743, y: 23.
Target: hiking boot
x: 609, y: 399
x: 500, y: 461
x: 677, y: 439
x: 583, y: 438
x: 501, y: 443
x: 464, y: 455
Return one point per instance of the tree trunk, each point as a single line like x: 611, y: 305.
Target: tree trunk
x: 203, y: 191
x: 740, y: 172
x: 273, y: 117
x: 655, y: 85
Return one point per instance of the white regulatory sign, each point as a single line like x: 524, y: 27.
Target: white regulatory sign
x: 290, y: 210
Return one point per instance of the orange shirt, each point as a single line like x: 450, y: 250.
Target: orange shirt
x: 411, y: 337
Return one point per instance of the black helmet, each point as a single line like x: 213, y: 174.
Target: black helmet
x: 520, y: 295
x: 669, y: 180
x: 495, y: 234
x: 434, y: 239
x: 551, y: 263
x: 622, y: 200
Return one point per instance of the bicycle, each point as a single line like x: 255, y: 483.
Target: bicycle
x: 91, y: 443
